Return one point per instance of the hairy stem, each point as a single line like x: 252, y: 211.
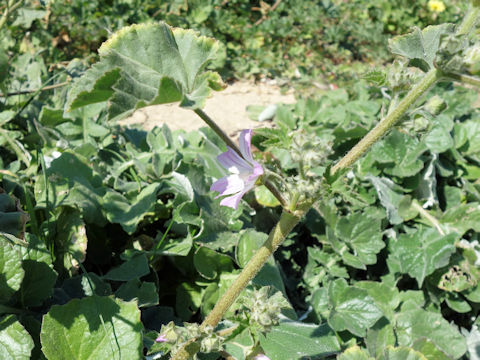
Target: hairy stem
x: 284, y: 226
x: 470, y: 19
x: 385, y: 124
x: 465, y: 79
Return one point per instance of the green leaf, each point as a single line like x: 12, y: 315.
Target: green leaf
x: 249, y: 243
x: 420, y: 46
x: 400, y: 153
x: 264, y: 197
x: 24, y: 17
x: 240, y: 345
x: 389, y: 198
x: 354, y: 353
x: 420, y: 253
x: 3, y: 73
x: 379, y: 336
x: 92, y: 328
x: 145, y: 293
x: 40, y: 277
x: 15, y: 342
x: 11, y: 271
x: 352, y: 308
x: 430, y: 350
x: 462, y: 218
x: 295, y: 340
x: 210, y: 263
x: 401, y: 353
x: 361, y: 232
x: 148, y: 64
x: 415, y: 324
x: 188, y: 300
x: 386, y: 297
x: 71, y: 181
x: 129, y: 213
x: 133, y: 268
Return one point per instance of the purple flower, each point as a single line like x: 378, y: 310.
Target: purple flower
x: 243, y: 169
x: 161, y: 338
x: 261, y: 357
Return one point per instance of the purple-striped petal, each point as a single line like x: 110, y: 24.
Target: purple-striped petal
x: 228, y: 185
x: 245, y: 142
x: 233, y: 201
x: 231, y: 161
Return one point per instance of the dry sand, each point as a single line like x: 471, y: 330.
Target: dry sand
x: 227, y: 108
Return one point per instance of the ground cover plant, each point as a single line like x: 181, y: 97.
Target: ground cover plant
x: 348, y: 231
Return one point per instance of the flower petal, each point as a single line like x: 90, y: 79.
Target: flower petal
x: 245, y: 142
x: 231, y: 161
x: 228, y: 185
x: 233, y: 201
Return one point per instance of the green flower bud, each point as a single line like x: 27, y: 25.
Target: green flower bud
x: 435, y: 105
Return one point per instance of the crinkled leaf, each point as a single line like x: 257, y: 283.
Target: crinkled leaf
x: 15, y: 341
x: 420, y: 253
x: 148, y: 64
x: 361, y: 233
x: 11, y: 271
x: 414, y: 324
x: 420, y: 46
x: 129, y: 213
x: 352, y: 308
x: 24, y: 17
x: 399, y: 153
x: 295, y: 340
x: 92, y: 328
x: 462, y: 218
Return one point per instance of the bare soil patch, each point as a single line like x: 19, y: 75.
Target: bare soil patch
x: 227, y: 108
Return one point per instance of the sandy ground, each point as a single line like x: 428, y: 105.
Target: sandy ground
x: 227, y: 108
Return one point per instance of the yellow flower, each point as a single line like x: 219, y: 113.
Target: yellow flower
x: 436, y: 6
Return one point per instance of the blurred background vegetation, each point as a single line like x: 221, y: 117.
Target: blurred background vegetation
x: 309, y: 42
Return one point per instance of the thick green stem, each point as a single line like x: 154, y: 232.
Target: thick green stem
x: 465, y: 79
x: 284, y: 226
x: 385, y: 124
x: 470, y: 19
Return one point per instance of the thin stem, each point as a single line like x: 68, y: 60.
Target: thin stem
x: 10, y: 8
x: 284, y: 226
x: 273, y: 189
x: 218, y: 130
x: 466, y: 79
x: 229, y: 142
x: 45, y: 88
x: 385, y: 124
x: 427, y: 216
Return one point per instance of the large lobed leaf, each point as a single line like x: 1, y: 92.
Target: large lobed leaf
x: 92, y: 328
x: 148, y: 64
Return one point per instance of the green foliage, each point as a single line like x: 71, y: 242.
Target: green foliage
x: 123, y: 235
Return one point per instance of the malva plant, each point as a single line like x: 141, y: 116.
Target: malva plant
x: 180, y: 76
x: 96, y: 180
